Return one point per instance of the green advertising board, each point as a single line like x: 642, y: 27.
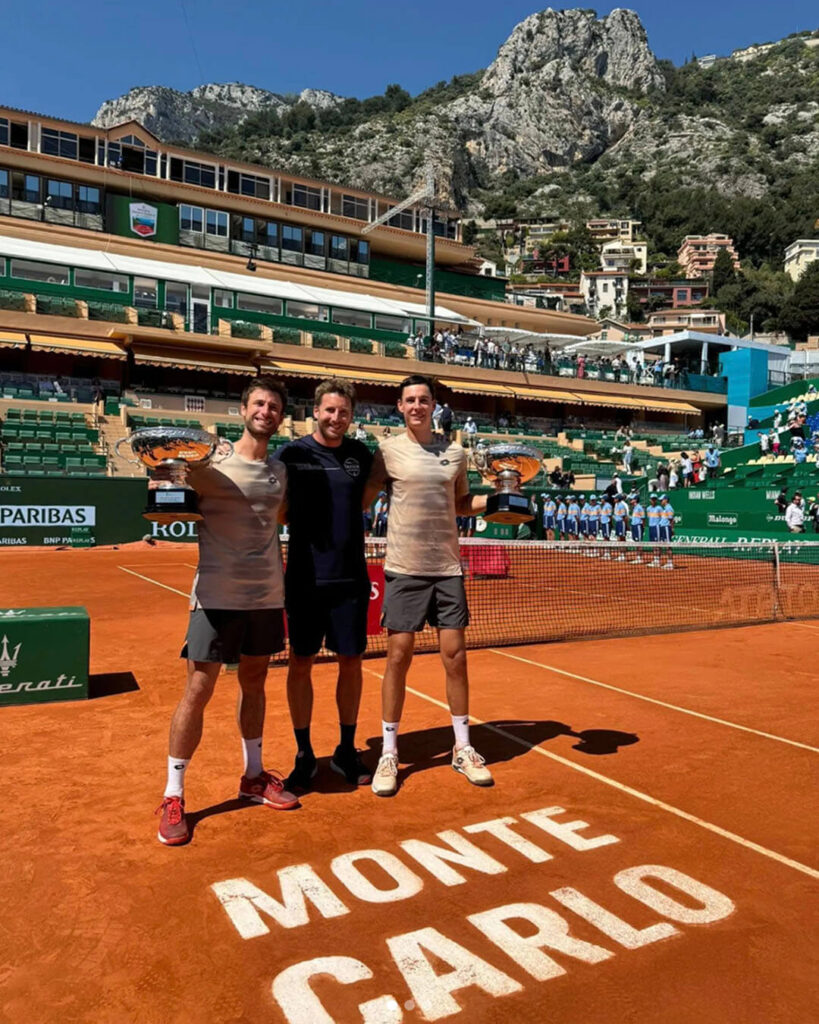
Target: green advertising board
x: 728, y: 508
x: 78, y: 512
x: 136, y: 218
x: 43, y: 655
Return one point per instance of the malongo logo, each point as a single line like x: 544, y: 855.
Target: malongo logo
x: 21, y: 516
x: 723, y: 519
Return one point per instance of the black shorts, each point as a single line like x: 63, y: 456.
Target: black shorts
x: 223, y: 635
x: 412, y: 601
x: 334, y: 614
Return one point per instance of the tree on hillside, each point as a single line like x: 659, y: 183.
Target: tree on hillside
x: 469, y: 232
x: 723, y: 272
x: 800, y: 314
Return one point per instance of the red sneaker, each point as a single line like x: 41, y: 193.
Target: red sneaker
x: 268, y: 789
x: 173, y: 826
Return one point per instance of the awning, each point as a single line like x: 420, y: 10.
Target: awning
x: 77, y: 346
x: 468, y: 387
x: 207, y: 361
x: 660, y: 405
x: 546, y: 396
x: 10, y: 340
x: 323, y: 372
x: 616, y: 402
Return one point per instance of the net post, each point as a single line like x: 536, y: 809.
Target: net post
x: 777, y: 582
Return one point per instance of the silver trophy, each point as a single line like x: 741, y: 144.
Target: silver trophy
x: 507, y: 466
x: 171, y: 450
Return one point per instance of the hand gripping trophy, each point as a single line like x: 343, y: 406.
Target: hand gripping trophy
x: 507, y: 466
x: 169, y: 451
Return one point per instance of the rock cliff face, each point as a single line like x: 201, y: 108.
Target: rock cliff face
x: 184, y: 116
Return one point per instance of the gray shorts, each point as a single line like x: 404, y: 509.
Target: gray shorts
x: 223, y: 635
x: 412, y: 601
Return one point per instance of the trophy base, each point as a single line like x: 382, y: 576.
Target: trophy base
x: 172, y: 505
x: 507, y: 508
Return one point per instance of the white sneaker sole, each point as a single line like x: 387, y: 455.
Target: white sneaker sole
x: 385, y: 792
x: 488, y: 782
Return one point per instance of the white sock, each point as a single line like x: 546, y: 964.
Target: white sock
x: 177, y: 766
x: 460, y: 723
x: 252, y: 750
x: 389, y: 738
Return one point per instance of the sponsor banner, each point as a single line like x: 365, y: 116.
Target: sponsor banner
x: 43, y: 654
x: 143, y: 219
x: 376, y: 574
x: 22, y: 516
x: 722, y: 519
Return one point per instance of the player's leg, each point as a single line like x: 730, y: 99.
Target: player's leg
x: 347, y: 636
x: 263, y: 637
x: 306, y: 627
x: 400, y: 645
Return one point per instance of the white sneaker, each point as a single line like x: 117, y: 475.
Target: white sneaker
x: 637, y: 561
x: 620, y: 558
x: 469, y: 762
x: 385, y: 778
x: 655, y: 564
x: 668, y: 565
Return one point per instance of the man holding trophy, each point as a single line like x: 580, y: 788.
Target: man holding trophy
x: 427, y: 479
x: 236, y: 607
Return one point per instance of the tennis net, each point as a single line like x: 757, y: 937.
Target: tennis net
x: 522, y: 592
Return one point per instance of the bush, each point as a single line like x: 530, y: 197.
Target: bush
x: 107, y: 311
x: 325, y: 341
x: 360, y: 345
x: 286, y: 336
x: 56, y: 306
x: 395, y: 350
x: 13, y: 300
x: 244, y: 329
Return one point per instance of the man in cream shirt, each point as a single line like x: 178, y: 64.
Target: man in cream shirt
x: 427, y: 481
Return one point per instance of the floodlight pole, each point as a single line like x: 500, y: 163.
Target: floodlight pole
x: 430, y: 184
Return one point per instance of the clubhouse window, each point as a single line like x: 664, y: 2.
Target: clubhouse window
x: 352, y: 317
x: 292, y: 238
x: 339, y: 249
x: 405, y: 220
x: 222, y: 298
x: 242, y: 184
x: 193, y: 173
x: 87, y: 149
x: 101, y: 280
x: 270, y: 233
x: 4, y: 131
x: 190, y: 218
x: 359, y: 251
x: 259, y: 303
x: 88, y: 199
x: 47, y: 273
x: 307, y: 310
x: 4, y: 184
x: 59, y: 195
x: 216, y: 223
x: 176, y: 297
x: 392, y: 323
x: 316, y: 242
x: 355, y: 206
x: 145, y: 292
x: 308, y: 198
x: 25, y: 188
x: 56, y: 143
x: 18, y: 135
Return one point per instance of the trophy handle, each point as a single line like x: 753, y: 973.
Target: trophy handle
x: 123, y: 440
x: 224, y: 448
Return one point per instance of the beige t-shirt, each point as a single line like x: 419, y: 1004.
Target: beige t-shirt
x: 424, y: 483
x: 240, y: 561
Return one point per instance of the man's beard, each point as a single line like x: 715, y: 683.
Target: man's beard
x: 259, y: 433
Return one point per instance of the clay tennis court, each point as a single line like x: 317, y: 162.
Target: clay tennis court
x: 690, y: 894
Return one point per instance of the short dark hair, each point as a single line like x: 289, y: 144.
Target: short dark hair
x: 416, y: 378
x: 335, y: 386
x: 265, y: 383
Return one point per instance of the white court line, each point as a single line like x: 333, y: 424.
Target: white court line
x: 654, y: 700
x: 804, y: 625
x: 156, y: 583
x: 162, y: 564
x: 645, y: 797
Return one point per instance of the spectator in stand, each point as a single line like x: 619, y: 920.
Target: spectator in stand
x: 777, y: 420
x: 446, y: 421
x: 781, y: 501
x: 663, y: 475
x: 556, y: 477
x: 628, y: 456
x: 712, y: 461
x: 798, y: 450
x: 774, y: 435
x: 813, y: 513
x: 753, y: 422
x: 381, y: 513
x: 387, y: 432
x: 812, y: 390
x: 687, y: 469
x: 360, y: 432
x: 764, y: 443
x: 795, y: 515
x: 674, y: 476
x: 470, y: 430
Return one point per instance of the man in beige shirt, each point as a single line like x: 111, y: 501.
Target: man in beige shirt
x: 236, y: 608
x: 427, y: 481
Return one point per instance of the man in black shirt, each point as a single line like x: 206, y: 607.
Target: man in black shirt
x: 327, y: 590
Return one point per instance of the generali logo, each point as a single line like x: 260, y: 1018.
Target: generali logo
x: 8, y: 661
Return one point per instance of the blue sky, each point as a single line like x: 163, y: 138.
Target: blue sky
x: 65, y: 58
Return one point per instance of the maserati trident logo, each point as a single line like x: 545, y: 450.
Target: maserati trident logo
x: 8, y: 661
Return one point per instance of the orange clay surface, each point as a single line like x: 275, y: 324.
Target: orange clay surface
x: 699, y: 754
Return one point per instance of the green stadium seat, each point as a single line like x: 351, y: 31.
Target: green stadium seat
x: 13, y: 414
x: 12, y: 462
x: 51, y: 448
x: 30, y: 416
x: 10, y: 430
x: 34, y: 447
x: 77, y: 417
x: 62, y: 436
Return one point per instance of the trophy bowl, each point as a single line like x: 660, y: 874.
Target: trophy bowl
x: 169, y: 450
x: 507, y: 466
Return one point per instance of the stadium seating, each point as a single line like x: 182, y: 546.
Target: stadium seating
x: 44, y: 442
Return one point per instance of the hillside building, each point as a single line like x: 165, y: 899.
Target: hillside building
x: 670, y: 294
x: 799, y: 255
x: 697, y: 253
x: 614, y: 230
x: 604, y: 290
x: 628, y: 256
